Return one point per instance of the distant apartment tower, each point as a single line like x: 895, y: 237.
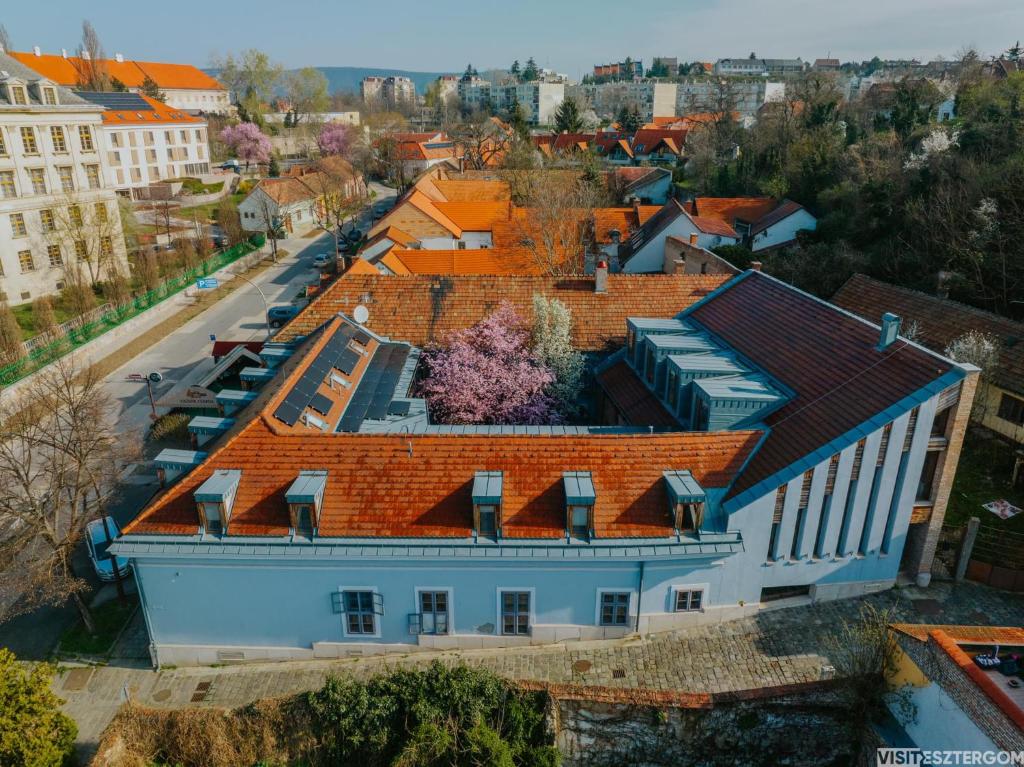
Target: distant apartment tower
x: 652, y: 98
x: 695, y: 95
x: 390, y: 90
x: 628, y: 68
x: 538, y: 100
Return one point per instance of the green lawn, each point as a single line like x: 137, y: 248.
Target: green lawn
x: 205, y: 212
x: 195, y: 186
x: 982, y: 476
x: 26, y: 320
x: 110, y: 618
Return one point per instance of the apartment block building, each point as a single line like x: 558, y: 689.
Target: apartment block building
x: 182, y: 86
x: 58, y: 214
x: 628, y: 68
x: 146, y: 142
x: 699, y: 95
x: 653, y: 98
x: 752, y: 65
x: 390, y: 90
x: 538, y: 100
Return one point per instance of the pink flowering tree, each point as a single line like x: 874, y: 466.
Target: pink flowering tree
x: 334, y: 138
x: 248, y: 143
x: 487, y: 374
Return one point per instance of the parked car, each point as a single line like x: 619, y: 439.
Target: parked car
x: 230, y: 165
x: 278, y: 315
x: 98, y: 537
x: 322, y: 260
x: 220, y: 241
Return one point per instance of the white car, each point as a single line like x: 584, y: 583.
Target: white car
x: 321, y: 261
x: 98, y: 539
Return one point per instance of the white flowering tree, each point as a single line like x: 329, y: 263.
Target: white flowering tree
x: 552, y: 346
x: 982, y: 351
x: 936, y: 143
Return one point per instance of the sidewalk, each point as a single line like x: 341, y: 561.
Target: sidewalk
x: 774, y: 648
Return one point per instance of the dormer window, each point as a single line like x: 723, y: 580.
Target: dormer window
x: 18, y: 95
x: 487, y: 494
x: 580, y: 498
x: 215, y: 498
x: 305, y: 500
x: 50, y: 96
x: 686, y: 501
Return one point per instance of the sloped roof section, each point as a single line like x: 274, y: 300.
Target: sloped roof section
x: 68, y: 71
x: 939, y: 321
x: 787, y: 334
x: 422, y: 309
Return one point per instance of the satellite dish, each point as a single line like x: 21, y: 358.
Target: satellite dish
x: 361, y: 314
x: 155, y: 377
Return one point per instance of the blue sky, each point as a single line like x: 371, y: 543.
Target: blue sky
x: 567, y: 35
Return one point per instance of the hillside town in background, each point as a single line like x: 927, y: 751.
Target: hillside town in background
x: 684, y: 398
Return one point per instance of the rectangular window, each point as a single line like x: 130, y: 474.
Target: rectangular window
x: 106, y: 246
x: 18, y: 96
x: 673, y: 390
x: 927, y: 480
x: 38, y: 178
x: 169, y: 137
x: 614, y: 608
x: 81, y: 251
x: 25, y: 260
x: 18, y: 228
x: 3, y: 145
x: 7, y: 188
x: 28, y: 141
x: 53, y: 254
x: 92, y: 174
x: 689, y: 600
x: 75, y: 214
x: 488, y: 520
x: 434, y: 612
x: 184, y: 137
x: 773, y: 539
x: 47, y: 221
x: 67, y: 178
x: 361, y: 611
x: 49, y: 97
x: 101, y: 212
x: 85, y: 138
x: 649, y: 366
x: 1010, y: 409
x: 60, y: 144
x: 115, y: 140
x: 515, y: 613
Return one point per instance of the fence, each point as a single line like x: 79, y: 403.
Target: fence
x: 997, y: 558
x: 83, y: 329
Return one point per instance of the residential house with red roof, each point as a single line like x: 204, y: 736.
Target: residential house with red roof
x: 761, y: 223
x: 146, y: 141
x: 644, y: 251
x: 183, y: 86
x: 729, y: 466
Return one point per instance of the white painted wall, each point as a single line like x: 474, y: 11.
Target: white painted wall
x: 784, y: 231
x: 651, y: 257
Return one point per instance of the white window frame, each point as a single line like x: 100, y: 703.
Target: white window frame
x: 376, y: 618
x: 451, y: 607
x: 676, y: 588
x: 629, y: 606
x: 532, y: 613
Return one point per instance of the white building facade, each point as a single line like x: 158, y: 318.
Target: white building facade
x: 57, y: 211
x: 538, y: 100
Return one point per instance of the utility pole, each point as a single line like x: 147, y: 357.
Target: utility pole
x: 266, y: 306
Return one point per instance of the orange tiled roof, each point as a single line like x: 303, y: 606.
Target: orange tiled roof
x: 632, y: 398
x: 394, y: 263
x: 161, y: 113
x: 729, y: 209
x: 644, y: 212
x: 477, y: 261
x: 475, y: 216
x: 67, y: 71
x: 1008, y: 635
x: 422, y: 309
x: 459, y: 190
x: 607, y: 220
x: 361, y: 266
x: 713, y: 226
x: 285, y: 191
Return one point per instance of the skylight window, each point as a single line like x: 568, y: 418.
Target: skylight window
x: 312, y: 420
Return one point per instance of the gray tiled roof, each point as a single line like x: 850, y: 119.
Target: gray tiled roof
x: 11, y: 67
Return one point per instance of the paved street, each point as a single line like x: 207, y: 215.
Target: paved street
x: 776, y: 647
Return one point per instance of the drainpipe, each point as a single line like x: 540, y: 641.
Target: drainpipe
x: 639, y: 597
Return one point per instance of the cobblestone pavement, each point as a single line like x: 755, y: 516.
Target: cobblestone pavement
x: 775, y: 647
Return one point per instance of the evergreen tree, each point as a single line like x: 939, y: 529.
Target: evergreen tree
x: 151, y: 89
x: 517, y: 120
x: 1015, y: 52
x: 629, y: 119
x: 514, y: 70
x: 469, y: 74
x: 531, y: 72
x: 568, y: 118
x: 274, y: 168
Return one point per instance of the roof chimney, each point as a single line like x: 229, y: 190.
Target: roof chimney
x: 36, y: 51
x: 755, y: 265
x: 890, y: 330
x: 119, y: 58
x: 63, y: 53
x: 693, y: 239
x: 601, y: 277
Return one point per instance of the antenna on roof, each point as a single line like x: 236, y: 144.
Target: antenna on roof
x: 361, y: 314
x: 408, y: 442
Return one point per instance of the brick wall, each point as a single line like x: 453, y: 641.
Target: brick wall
x: 683, y: 258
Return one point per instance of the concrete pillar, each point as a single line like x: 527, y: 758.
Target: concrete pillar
x: 959, y: 420
x: 966, y: 547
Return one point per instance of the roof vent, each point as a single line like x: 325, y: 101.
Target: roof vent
x: 601, y: 277
x: 36, y: 51
x: 890, y: 330
x: 119, y: 58
x: 615, y: 236
x: 63, y: 53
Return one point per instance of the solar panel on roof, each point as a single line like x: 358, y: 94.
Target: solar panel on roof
x: 361, y: 338
x: 347, y: 361
x: 399, y: 407
x: 321, y: 404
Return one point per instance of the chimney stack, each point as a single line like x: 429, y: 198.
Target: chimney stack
x: 693, y: 239
x: 63, y: 53
x: 890, y: 330
x: 601, y: 277
x: 119, y: 58
x: 36, y: 51
x: 755, y: 265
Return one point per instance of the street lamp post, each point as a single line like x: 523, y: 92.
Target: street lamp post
x: 266, y: 305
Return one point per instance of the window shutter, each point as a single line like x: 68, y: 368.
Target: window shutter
x: 805, y: 489
x: 948, y: 398
x: 883, y: 446
x: 857, y: 458
x: 780, y: 503
x: 378, y: 604
x: 911, y: 426
x: 830, y: 480
x: 337, y: 602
